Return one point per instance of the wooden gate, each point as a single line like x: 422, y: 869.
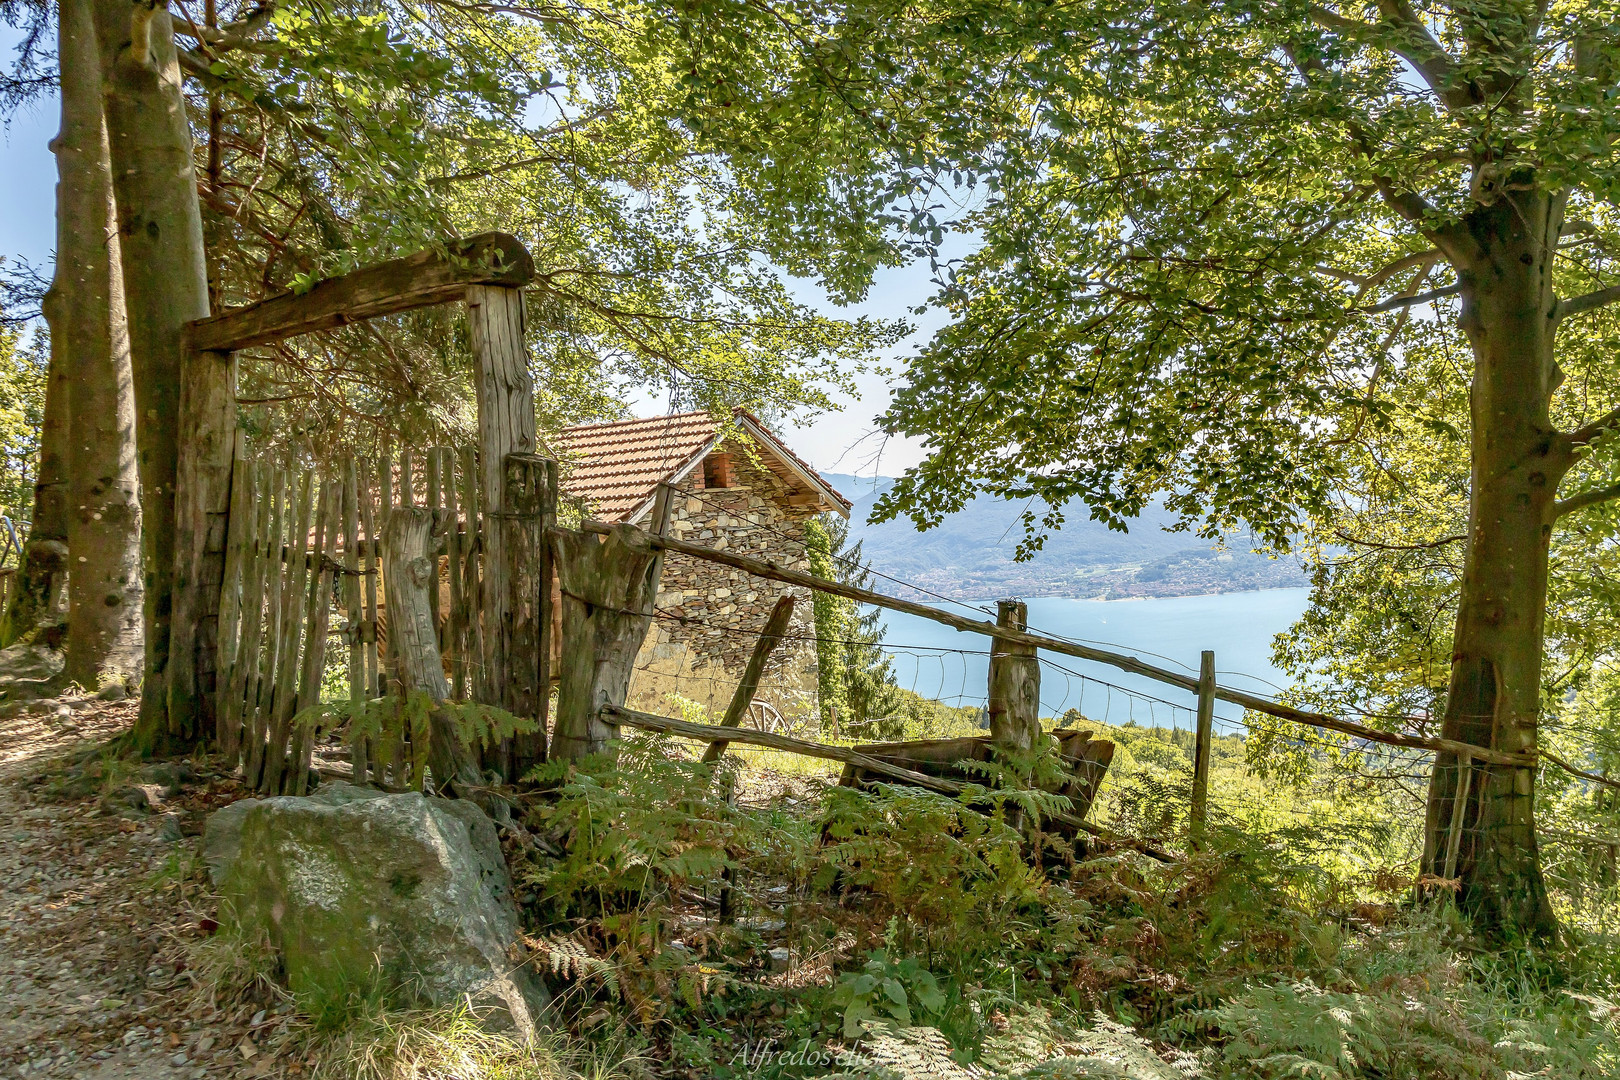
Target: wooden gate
x: 303, y: 571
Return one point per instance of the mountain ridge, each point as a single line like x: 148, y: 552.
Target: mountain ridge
x: 969, y: 555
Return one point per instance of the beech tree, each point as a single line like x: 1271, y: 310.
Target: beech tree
x: 90, y: 352
x: 1201, y: 235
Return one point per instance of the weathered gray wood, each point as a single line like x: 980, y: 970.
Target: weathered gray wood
x: 525, y: 483
x: 772, y: 572
x: 202, y: 510
x: 455, y: 625
x: 419, y: 280
x: 359, y: 752
x: 1015, y: 683
x: 506, y: 425
x: 435, y: 502
x: 1459, y: 813
x: 776, y: 625
x: 239, y: 537
x: 264, y: 692
x: 546, y: 584
x: 285, y: 703
x: 472, y: 583
x: 409, y: 572
x: 243, y: 687
x: 315, y: 631
x: 1202, y: 746
x: 368, y: 629
x: 608, y: 588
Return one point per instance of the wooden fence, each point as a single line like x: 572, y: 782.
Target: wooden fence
x: 303, y: 565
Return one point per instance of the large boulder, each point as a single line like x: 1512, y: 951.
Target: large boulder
x: 368, y: 895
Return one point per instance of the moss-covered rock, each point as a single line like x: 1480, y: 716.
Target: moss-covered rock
x: 369, y: 896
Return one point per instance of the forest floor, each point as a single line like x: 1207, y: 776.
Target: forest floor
x: 98, y: 909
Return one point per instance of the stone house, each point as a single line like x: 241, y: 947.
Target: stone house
x: 741, y: 490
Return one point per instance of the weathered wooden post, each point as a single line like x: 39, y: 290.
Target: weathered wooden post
x: 409, y: 570
x: 1015, y: 684
x: 1198, y: 816
x: 506, y: 425
x: 528, y: 481
x: 608, y: 587
x: 775, y: 626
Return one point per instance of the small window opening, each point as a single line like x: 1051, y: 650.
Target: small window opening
x: 717, y: 471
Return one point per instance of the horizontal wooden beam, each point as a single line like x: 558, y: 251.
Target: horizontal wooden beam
x: 434, y: 276
x: 668, y: 725
x: 772, y: 572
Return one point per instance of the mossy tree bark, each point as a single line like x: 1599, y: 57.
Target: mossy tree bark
x: 165, y: 286
x: 90, y: 346
x: 1503, y: 253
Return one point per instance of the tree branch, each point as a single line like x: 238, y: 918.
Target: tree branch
x: 1600, y: 298
x: 1584, y: 434
x: 1585, y: 498
x: 1444, y: 540
x: 1395, y: 302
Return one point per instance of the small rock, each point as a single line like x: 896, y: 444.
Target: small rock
x: 113, y: 691
x: 170, y: 830
x: 180, y: 1060
x: 128, y: 799
x: 779, y: 959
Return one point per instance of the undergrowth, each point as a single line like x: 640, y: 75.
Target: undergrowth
x: 702, y: 930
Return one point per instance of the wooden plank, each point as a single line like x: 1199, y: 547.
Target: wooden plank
x: 292, y: 595
x: 772, y: 572
x: 434, y: 276
x: 472, y: 586
x: 547, y: 582
x: 264, y: 678
x: 667, y: 725
x: 1459, y: 812
x: 358, y: 751
x: 243, y: 687
x: 776, y: 625
x: 239, y: 532
x: 315, y: 631
x: 435, y: 502
x: 455, y: 623
x: 1198, y: 814
x: 368, y: 630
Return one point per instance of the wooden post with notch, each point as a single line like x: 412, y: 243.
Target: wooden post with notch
x: 1015, y: 684
x: 1198, y: 816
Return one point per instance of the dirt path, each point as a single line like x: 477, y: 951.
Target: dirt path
x: 100, y: 899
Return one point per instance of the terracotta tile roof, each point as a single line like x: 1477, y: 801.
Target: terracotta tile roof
x: 616, y: 467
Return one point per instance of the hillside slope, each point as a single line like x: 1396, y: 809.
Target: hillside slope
x: 970, y: 554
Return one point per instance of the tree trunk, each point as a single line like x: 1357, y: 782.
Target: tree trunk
x: 90, y: 343
x: 165, y: 286
x: 1518, y: 458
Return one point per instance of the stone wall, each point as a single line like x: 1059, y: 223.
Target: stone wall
x: 710, y: 616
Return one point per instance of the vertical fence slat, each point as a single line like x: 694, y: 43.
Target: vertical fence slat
x: 264, y: 676
x: 351, y: 604
x: 455, y: 624
x: 226, y: 643
x: 389, y: 652
x: 368, y: 520
x: 315, y: 640
x: 235, y: 709
x: 471, y: 589
x: 285, y: 703
x: 435, y: 502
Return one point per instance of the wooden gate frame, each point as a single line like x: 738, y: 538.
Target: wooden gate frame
x: 488, y: 272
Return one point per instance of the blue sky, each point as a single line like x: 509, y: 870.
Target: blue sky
x: 844, y: 442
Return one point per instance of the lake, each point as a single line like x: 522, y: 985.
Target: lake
x: 938, y: 662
